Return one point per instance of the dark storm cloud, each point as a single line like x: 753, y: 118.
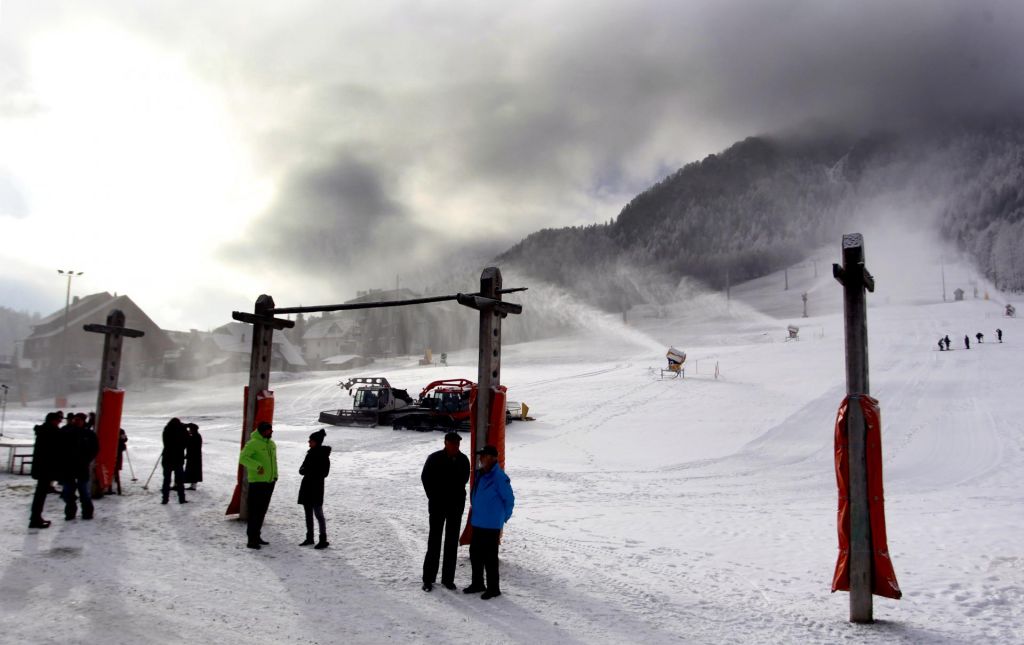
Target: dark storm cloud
x: 328, y: 214
x: 499, y: 119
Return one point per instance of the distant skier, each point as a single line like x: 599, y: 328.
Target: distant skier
x: 981, y: 337
x: 948, y: 342
x: 999, y: 335
x: 942, y: 347
x: 967, y: 341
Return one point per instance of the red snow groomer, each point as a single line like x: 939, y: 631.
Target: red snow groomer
x: 442, y: 405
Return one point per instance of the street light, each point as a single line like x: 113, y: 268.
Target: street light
x: 3, y: 407
x: 61, y: 399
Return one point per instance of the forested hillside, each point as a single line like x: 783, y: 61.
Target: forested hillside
x: 766, y: 201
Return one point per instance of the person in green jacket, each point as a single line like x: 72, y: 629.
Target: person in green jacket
x: 259, y: 456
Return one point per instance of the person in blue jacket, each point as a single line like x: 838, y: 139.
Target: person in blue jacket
x: 492, y: 502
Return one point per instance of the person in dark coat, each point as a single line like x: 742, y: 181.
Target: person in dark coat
x: 78, y: 447
x: 941, y: 348
x: 999, y: 335
x: 194, y: 457
x: 444, y: 478
x: 44, y: 467
x: 122, y: 447
x: 967, y: 341
x: 314, y: 469
x: 981, y: 337
x: 173, y: 459
x: 947, y: 342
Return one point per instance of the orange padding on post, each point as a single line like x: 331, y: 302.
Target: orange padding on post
x: 264, y: 412
x: 495, y: 437
x: 107, y: 434
x: 883, y: 576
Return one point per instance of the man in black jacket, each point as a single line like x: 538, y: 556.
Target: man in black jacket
x: 444, y: 477
x: 78, y: 447
x: 173, y: 459
x: 44, y: 467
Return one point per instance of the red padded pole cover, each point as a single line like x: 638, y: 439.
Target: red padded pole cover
x: 108, y: 434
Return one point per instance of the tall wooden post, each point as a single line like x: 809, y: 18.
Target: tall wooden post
x: 110, y: 366
x: 263, y: 326
x: 492, y: 309
x: 259, y: 361
x: 855, y: 278
x: 489, y: 366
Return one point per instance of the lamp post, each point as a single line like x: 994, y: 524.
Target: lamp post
x: 61, y: 398
x: 3, y: 407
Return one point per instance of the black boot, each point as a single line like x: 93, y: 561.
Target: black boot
x: 308, y: 540
x: 323, y: 543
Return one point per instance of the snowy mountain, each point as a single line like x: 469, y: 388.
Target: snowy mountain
x: 760, y: 205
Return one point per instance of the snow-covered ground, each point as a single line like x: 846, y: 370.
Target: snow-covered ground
x: 699, y: 510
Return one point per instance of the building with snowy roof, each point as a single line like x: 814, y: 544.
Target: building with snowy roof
x: 56, y: 345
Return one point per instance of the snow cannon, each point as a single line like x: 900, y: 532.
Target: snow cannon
x: 676, y: 358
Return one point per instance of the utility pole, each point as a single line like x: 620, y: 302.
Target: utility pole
x: 3, y: 407
x: 786, y: 271
x: 855, y: 278
x: 61, y: 398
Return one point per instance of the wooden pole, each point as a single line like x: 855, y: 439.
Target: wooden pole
x: 259, y: 380
x: 110, y: 364
x: 489, y: 365
x: 855, y: 279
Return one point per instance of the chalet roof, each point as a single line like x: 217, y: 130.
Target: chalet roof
x: 77, y: 311
x: 332, y: 328
x: 95, y: 307
x: 236, y: 338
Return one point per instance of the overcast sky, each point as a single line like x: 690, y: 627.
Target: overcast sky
x: 196, y: 154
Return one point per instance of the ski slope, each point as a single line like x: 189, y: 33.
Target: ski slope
x: 699, y: 510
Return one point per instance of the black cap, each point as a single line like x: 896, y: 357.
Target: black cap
x: 453, y: 436
x: 319, y: 436
x: 488, y: 450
